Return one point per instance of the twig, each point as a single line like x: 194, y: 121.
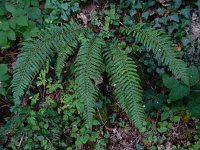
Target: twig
x: 21, y: 140
x: 4, y: 106
x: 104, y: 123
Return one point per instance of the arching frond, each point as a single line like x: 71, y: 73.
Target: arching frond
x: 63, y: 54
x: 36, y: 52
x: 161, y: 44
x: 123, y: 76
x: 88, y: 69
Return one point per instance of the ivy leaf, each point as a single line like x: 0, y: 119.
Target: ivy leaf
x: 133, y: 12
x: 193, y: 75
x: 2, y: 91
x: 169, y: 82
x: 175, y: 119
x: 179, y: 92
x: 177, y: 3
x: 3, y: 39
x: 65, y: 6
x: 152, y: 99
x: 22, y: 21
x: 186, y: 40
x: 145, y: 15
x: 11, y: 35
x: 34, y: 13
x: 193, y: 106
x: 165, y: 115
x: 12, y: 23
x: 174, y: 17
x: 186, y: 12
x: 10, y: 7
x: 3, y: 69
x: 3, y: 72
x: 35, y: 3
x: 4, y: 25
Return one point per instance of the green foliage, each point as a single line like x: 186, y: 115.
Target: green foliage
x: 87, y: 70
x: 123, y: 76
x: 24, y: 18
x: 193, y: 106
x: 123, y: 73
x: 177, y: 89
x: 193, y: 75
x: 161, y: 45
x: 168, y: 125
x: 60, y: 114
x: 47, y: 125
x: 153, y: 100
x: 59, y: 10
x: 37, y: 52
x: 17, y: 19
x: 190, y: 94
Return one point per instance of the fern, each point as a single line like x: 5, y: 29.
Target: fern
x: 161, y: 44
x: 88, y: 70
x: 123, y: 75
x: 36, y: 52
x: 62, y: 56
x: 121, y: 69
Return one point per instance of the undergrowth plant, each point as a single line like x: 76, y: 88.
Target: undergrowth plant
x: 96, y: 55
x: 49, y: 125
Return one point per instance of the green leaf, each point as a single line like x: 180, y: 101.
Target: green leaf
x: 22, y: 21
x: 3, y: 39
x: 179, y: 92
x: 165, y: 115
x: 186, y: 40
x: 2, y: 11
x: 193, y: 106
x: 148, y: 105
x: 149, y: 94
x: 40, y: 138
x: 174, y: 17
x: 162, y: 129
x: 186, y: 12
x: 145, y: 15
x: 169, y: 82
x: 34, y: 13
x: 11, y: 35
x: 78, y: 143
x: 35, y: 3
x: 193, y: 75
x: 19, y: 13
x: 175, y: 119
x: 2, y: 91
x: 4, y: 25
x: 10, y: 7
x: 65, y: 6
x: 3, y: 68
x: 12, y: 22
x: 177, y: 3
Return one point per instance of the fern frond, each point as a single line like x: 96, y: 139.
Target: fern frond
x: 87, y: 64
x: 63, y: 54
x: 36, y: 52
x: 161, y: 44
x: 123, y: 76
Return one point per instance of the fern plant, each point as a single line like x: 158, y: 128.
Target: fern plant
x: 93, y: 53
